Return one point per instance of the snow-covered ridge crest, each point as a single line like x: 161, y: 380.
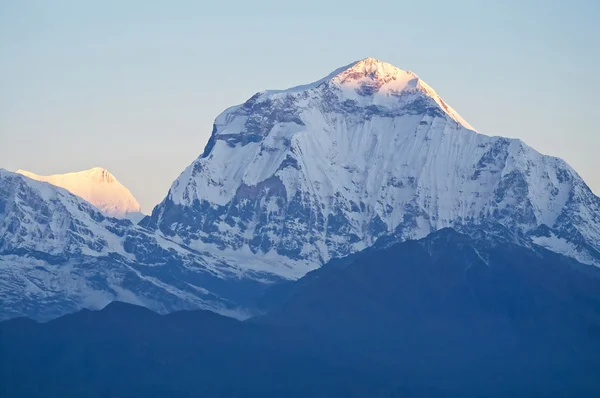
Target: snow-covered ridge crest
x: 97, y: 186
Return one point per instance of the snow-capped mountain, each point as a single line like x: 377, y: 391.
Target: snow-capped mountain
x: 289, y: 180
x: 299, y: 176
x: 100, y: 188
x: 58, y: 254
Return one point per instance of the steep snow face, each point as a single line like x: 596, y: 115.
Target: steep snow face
x: 40, y: 217
x: 296, y: 177
x: 58, y: 254
x: 99, y: 187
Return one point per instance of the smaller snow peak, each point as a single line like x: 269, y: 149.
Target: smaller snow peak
x: 95, y: 174
x: 97, y: 186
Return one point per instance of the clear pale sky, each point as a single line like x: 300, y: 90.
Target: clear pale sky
x: 134, y: 86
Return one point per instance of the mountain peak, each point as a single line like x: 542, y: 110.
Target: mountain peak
x: 372, y: 82
x: 370, y: 77
x: 97, y: 186
x: 373, y: 69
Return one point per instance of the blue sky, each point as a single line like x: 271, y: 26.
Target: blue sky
x: 134, y: 86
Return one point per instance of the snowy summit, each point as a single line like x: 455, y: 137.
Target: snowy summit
x: 97, y: 186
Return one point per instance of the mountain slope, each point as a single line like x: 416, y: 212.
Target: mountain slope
x: 132, y: 352
x: 58, y: 254
x: 451, y: 315
x: 300, y: 176
x: 98, y: 187
x: 473, y: 315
